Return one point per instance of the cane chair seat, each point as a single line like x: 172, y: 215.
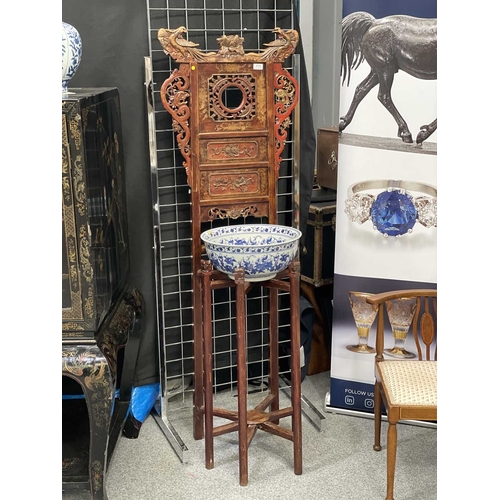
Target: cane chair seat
x: 410, y: 383
x: 406, y: 387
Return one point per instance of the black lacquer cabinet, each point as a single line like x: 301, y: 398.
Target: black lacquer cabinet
x: 95, y: 236
x: 101, y: 311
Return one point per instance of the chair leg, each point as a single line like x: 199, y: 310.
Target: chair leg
x: 392, y: 438
x: 377, y: 416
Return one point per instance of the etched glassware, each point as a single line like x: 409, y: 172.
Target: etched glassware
x: 364, y: 316
x: 400, y: 313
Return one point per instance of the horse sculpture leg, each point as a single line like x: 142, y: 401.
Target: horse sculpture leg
x: 384, y: 96
x: 361, y: 90
x: 426, y: 131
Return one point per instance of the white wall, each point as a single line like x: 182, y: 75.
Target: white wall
x: 325, y: 88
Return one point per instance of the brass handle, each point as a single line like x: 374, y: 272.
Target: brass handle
x: 332, y: 161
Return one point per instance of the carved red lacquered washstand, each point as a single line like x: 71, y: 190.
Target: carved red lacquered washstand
x: 230, y: 112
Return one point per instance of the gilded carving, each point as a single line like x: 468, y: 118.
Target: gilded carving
x: 65, y: 162
x: 66, y: 189
x: 232, y: 183
x: 71, y: 326
x: 65, y: 144
x: 282, y: 47
x: 178, y: 47
x: 222, y: 151
x: 69, y: 228
x: 68, y: 333
x: 97, y: 474
x: 182, y: 50
x: 65, y: 159
x: 232, y: 213
x: 285, y: 100
x: 79, y: 186
x: 91, y: 368
x: 89, y: 303
x: 86, y: 267
x: 85, y: 118
x: 74, y: 128
x: 72, y: 261
x: 174, y: 95
x: 219, y: 84
x: 231, y: 45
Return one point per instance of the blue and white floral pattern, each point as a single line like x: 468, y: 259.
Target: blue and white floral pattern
x: 71, y: 53
x: 262, y: 250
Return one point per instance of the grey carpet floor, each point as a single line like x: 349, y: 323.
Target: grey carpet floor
x: 339, y: 462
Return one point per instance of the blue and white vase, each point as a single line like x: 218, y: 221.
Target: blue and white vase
x: 71, y: 53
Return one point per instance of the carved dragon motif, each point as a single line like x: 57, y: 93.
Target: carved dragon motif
x: 178, y: 47
x: 182, y: 50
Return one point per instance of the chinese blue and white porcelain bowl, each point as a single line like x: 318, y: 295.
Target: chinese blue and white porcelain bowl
x: 71, y: 53
x: 262, y: 250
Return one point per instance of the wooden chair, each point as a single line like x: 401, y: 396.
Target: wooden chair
x: 406, y: 382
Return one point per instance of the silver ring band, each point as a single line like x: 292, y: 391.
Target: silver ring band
x: 395, y: 210
x: 384, y: 184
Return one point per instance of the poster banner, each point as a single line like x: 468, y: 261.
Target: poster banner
x: 386, y: 226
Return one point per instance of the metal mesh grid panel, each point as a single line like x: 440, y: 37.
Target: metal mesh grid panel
x: 205, y: 21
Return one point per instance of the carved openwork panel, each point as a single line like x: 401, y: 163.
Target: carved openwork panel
x: 230, y: 108
x: 233, y: 97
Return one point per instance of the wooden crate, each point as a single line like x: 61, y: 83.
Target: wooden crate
x: 317, y: 260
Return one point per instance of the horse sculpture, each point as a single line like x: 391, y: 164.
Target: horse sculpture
x: 388, y: 45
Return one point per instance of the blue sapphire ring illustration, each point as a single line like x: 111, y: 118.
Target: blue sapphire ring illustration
x: 395, y: 210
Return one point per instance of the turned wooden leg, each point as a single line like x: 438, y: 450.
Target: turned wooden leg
x: 239, y: 276
x: 295, y: 365
x: 392, y: 438
x: 377, y: 416
x: 207, y: 368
